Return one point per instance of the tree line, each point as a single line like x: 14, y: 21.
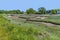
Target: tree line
x: 40, y: 10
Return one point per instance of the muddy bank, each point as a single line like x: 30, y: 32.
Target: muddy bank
x: 32, y: 20
x: 43, y: 21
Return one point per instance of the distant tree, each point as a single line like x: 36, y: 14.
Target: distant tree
x: 30, y: 11
x: 48, y: 12
x: 2, y: 11
x: 19, y: 12
x: 14, y: 12
x: 54, y: 11
x: 22, y: 12
x: 42, y: 10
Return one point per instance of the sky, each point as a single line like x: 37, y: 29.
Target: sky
x: 26, y: 4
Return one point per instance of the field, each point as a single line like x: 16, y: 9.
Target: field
x: 16, y: 27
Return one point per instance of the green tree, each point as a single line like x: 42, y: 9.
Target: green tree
x: 54, y: 11
x: 19, y: 12
x: 42, y: 10
x: 15, y: 12
x: 30, y: 11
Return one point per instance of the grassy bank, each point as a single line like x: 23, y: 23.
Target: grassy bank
x: 27, y: 31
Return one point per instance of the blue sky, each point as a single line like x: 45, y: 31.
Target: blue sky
x: 25, y: 4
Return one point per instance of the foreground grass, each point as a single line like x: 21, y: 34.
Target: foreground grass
x: 9, y: 31
x: 27, y: 31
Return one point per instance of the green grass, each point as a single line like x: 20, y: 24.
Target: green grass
x: 10, y: 31
x: 53, y: 19
x: 27, y: 31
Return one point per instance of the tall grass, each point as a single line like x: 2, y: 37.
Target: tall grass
x: 27, y: 31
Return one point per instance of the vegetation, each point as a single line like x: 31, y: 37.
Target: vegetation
x: 9, y: 31
x: 40, y: 10
x: 31, y: 11
x: 11, y: 12
x: 27, y: 31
